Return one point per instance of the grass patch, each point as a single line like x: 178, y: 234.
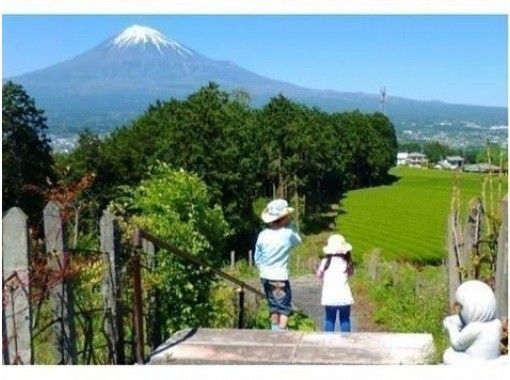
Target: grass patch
x: 242, y: 270
x: 304, y: 259
x: 408, y: 299
x: 408, y: 219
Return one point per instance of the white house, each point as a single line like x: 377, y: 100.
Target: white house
x: 417, y: 159
x: 412, y: 159
x: 455, y: 161
x: 452, y: 162
x: 402, y: 158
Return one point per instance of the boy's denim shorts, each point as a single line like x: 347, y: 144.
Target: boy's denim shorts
x: 278, y: 295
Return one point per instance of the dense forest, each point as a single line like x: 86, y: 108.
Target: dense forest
x: 243, y: 155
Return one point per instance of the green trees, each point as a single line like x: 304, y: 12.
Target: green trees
x: 494, y: 154
x: 366, y: 148
x: 436, y: 151
x: 26, y: 157
x: 244, y: 154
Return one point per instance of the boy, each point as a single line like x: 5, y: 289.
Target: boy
x: 272, y: 257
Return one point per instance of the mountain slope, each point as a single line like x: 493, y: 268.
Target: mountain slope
x: 116, y: 80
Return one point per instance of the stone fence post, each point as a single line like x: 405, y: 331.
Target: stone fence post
x: 111, y: 248
x: 61, y: 293
x: 250, y: 258
x: 17, y: 311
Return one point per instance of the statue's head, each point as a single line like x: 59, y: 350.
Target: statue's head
x: 477, y: 301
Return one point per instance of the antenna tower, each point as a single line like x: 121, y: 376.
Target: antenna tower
x: 382, y: 100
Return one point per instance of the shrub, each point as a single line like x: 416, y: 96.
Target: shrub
x: 175, y: 206
x: 297, y: 321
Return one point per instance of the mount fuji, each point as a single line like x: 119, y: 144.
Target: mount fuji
x: 117, y: 80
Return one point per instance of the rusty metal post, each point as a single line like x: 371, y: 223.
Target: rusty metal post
x: 17, y: 357
x: 5, y: 349
x: 240, y: 321
x: 154, y: 328
x: 138, y: 312
x: 136, y: 239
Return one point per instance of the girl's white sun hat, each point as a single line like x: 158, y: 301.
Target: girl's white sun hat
x: 336, y: 244
x: 275, y: 210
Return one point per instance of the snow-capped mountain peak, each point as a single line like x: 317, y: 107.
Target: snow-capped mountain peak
x: 137, y: 34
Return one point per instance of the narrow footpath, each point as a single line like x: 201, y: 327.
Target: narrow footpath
x: 307, y: 289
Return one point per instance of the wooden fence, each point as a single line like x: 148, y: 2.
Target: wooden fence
x: 465, y: 245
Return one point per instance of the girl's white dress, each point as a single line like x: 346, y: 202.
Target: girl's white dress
x: 335, y: 286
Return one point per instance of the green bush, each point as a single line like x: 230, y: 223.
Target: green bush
x: 298, y: 320
x: 223, y: 301
x: 175, y: 206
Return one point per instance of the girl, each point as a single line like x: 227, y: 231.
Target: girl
x: 334, y: 269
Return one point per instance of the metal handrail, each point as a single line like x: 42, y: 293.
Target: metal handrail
x: 136, y: 242
x: 141, y: 234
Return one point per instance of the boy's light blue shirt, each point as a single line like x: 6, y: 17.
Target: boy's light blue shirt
x: 272, y: 252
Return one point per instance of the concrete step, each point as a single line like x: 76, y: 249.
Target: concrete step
x: 228, y: 346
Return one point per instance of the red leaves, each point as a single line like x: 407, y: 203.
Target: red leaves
x: 46, y: 273
x: 65, y: 194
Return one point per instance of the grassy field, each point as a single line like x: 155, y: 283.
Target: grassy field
x: 407, y: 219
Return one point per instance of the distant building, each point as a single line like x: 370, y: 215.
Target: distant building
x: 411, y: 159
x: 402, y: 158
x: 455, y: 161
x: 451, y: 162
x: 417, y: 159
x: 482, y: 167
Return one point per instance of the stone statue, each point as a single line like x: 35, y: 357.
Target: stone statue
x: 474, y: 332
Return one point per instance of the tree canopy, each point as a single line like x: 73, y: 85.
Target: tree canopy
x: 244, y: 154
x: 26, y: 158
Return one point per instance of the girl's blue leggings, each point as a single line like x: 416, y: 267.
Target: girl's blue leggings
x: 345, y: 318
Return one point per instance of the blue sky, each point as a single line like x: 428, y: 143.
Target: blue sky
x: 456, y: 59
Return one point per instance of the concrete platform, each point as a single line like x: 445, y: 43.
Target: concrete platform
x: 226, y: 346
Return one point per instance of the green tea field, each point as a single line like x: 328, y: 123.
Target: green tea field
x: 407, y: 219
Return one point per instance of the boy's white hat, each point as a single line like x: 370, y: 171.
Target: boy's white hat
x: 337, y: 244
x: 276, y: 209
